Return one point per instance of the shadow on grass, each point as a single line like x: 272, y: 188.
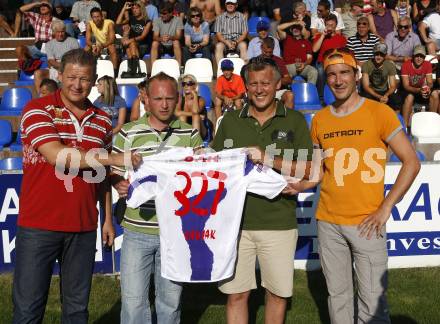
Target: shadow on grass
x: 112, y: 316
x: 318, y: 290
x: 402, y: 319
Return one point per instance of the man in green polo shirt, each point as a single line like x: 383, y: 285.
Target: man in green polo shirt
x: 274, y: 136
x: 140, y: 254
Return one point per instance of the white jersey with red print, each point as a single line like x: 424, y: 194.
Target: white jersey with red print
x: 199, y: 204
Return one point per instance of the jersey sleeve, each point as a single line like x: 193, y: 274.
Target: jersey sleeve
x: 38, y: 127
x: 143, y: 186
x: 196, y: 139
x: 389, y: 124
x: 263, y: 181
x: 119, y: 145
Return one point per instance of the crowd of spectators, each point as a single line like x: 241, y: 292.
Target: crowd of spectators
x: 385, y: 36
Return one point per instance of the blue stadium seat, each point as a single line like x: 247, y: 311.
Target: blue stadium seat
x: 17, y: 146
x: 129, y: 93
x: 82, y: 41
x: 25, y: 79
x: 205, y: 92
x: 329, y: 97
x: 13, y: 101
x: 420, y: 155
x: 306, y: 96
x: 5, y: 133
x: 15, y: 163
x: 299, y: 79
x: 44, y: 64
x: 252, y: 25
x: 308, y: 118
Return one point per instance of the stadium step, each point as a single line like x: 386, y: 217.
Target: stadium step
x: 9, y: 64
x: 15, y: 42
x: 8, y: 76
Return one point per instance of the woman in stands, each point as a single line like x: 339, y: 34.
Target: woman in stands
x: 196, y: 32
x: 191, y: 106
x: 136, y: 27
x: 111, y: 102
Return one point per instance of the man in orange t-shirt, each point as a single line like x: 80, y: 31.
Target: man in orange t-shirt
x: 353, y: 135
x: 229, y: 89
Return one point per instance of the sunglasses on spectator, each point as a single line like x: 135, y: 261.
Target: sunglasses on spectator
x: 196, y: 16
x: 362, y: 24
x: 419, y: 55
x: 188, y: 83
x: 403, y: 26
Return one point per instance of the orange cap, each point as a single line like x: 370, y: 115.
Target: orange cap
x: 339, y: 56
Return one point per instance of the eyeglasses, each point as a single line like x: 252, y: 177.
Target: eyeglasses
x: 362, y: 24
x: 420, y: 56
x: 188, y: 83
x: 380, y: 54
x: 196, y: 16
x: 403, y: 26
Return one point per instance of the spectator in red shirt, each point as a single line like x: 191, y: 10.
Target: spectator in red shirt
x: 322, y: 42
x: 58, y: 215
x: 229, y: 89
x: 42, y: 23
x: 297, y: 51
x: 284, y: 94
x: 417, y: 83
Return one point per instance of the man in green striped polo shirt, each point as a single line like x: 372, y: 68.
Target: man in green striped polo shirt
x: 140, y: 256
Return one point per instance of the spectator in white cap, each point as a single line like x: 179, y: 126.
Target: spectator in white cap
x: 231, y: 32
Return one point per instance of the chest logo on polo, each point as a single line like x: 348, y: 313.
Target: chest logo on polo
x: 282, y: 135
x: 342, y: 133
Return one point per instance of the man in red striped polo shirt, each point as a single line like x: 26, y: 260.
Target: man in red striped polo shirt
x: 57, y: 220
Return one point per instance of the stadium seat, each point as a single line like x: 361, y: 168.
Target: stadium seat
x: 205, y: 92
x: 13, y: 101
x: 329, y: 97
x: 308, y: 118
x: 25, y: 79
x: 252, y: 25
x: 14, y: 163
x: 168, y: 66
x: 238, y: 64
x: 129, y: 93
x: 44, y: 64
x: 299, y: 79
x: 425, y: 127
x: 104, y: 67
x: 201, y: 68
x: 5, y: 133
x: 94, y: 94
x: 124, y: 67
x: 82, y: 41
x: 306, y: 96
x: 17, y: 146
x: 420, y: 156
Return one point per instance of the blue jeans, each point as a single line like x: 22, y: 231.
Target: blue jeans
x: 36, y: 252
x: 140, y: 257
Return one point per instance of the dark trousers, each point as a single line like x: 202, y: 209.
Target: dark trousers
x: 188, y: 55
x: 36, y: 252
x: 394, y: 99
